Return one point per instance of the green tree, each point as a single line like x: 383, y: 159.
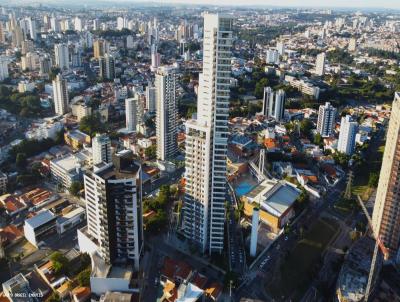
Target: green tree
x: 54, y: 298
x: 75, y: 188
x: 20, y: 161
x: 151, y: 152
x: 318, y: 139
x: 60, y: 263
x: 83, y: 277
x: 305, y: 127
x: 92, y: 124
x: 373, y: 179
x: 259, y: 89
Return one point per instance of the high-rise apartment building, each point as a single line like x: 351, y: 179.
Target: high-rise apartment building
x: 107, y: 67
x: 3, y: 68
x: 274, y: 104
x: 206, y: 140
x: 131, y: 114
x: 101, y: 149
x: 45, y: 64
x: 347, y: 135
x: 386, y: 214
x: 100, y: 48
x: 114, y: 210
x: 320, y: 64
x: 151, y: 98
x: 326, y: 119
x: 167, y: 111
x: 60, y: 95
x: 78, y: 26
x: 61, y: 55
x: 280, y: 47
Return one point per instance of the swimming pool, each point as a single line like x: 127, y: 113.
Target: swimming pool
x: 243, y: 188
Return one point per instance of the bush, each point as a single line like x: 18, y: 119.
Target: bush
x: 60, y: 263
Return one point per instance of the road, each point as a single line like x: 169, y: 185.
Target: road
x: 148, y: 188
x: 236, y: 253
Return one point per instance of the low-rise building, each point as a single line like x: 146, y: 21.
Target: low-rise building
x: 47, y: 128
x: 275, y: 199
x: 70, y: 216
x: 66, y: 170
x: 76, y: 139
x: 39, y: 226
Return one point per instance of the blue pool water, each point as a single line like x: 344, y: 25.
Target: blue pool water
x: 243, y: 188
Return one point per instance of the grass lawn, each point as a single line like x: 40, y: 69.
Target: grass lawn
x: 373, y: 164
x: 295, y: 273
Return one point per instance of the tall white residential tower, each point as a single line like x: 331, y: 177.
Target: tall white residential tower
x: 206, y: 140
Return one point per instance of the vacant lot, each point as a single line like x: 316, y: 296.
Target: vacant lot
x: 297, y: 270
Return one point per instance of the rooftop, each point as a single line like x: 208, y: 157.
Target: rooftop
x: 274, y: 196
x: 67, y: 163
x: 41, y: 218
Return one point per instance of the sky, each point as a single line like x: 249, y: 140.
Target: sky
x: 313, y: 3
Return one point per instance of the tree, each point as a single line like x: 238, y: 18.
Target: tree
x: 318, y: 139
x: 60, y: 263
x: 84, y: 277
x: 21, y: 160
x: 75, y: 188
x: 151, y: 152
x: 92, y: 124
x: 54, y: 298
x: 373, y: 180
x: 259, y: 89
x: 305, y: 127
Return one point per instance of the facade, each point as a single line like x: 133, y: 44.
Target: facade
x: 167, y: 111
x: 107, y: 67
x: 386, y: 214
x: 60, y: 95
x: 3, y: 68
x: 3, y: 182
x: 100, y: 48
x: 206, y: 140
x: 66, y: 170
x: 347, y: 135
x: 61, y: 55
x: 151, y: 99
x: 320, y: 64
x: 69, y: 218
x: 114, y: 210
x: 101, y: 149
x: 131, y: 114
x: 272, y: 56
x: 40, y: 226
x: 274, y: 104
x: 326, y: 119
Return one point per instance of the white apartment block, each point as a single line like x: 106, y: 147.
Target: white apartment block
x: 167, y: 111
x: 101, y: 149
x: 61, y: 55
x: 326, y: 120
x: 347, y: 135
x: 131, y: 114
x: 3, y: 68
x: 60, y: 95
x: 320, y: 64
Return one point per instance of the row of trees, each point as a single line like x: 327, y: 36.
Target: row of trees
x: 24, y: 104
x: 159, y: 205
